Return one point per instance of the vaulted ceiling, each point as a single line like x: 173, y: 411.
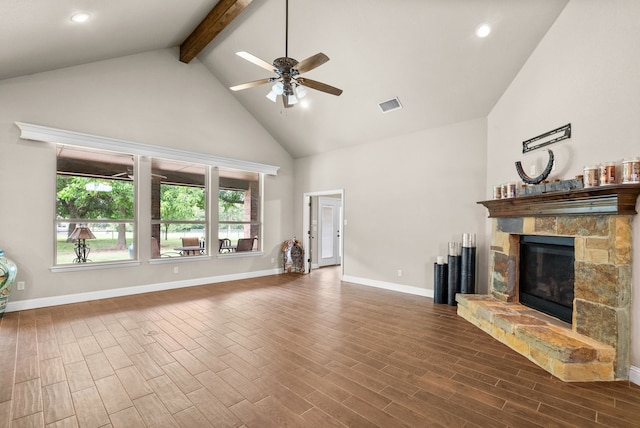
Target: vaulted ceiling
x: 425, y: 52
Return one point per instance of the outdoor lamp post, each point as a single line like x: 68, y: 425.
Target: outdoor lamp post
x: 81, y: 233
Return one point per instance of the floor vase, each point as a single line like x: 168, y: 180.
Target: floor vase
x: 8, y: 271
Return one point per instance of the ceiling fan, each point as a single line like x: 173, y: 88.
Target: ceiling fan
x: 288, y: 82
x: 129, y: 174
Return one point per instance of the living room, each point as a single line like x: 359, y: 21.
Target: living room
x: 583, y: 71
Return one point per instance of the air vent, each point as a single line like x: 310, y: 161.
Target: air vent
x: 390, y: 105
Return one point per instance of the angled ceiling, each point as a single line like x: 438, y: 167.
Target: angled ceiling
x: 424, y: 52
x: 37, y: 35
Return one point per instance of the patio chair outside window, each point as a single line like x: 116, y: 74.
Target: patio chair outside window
x: 191, y: 246
x: 191, y: 242
x: 245, y: 244
x: 225, y: 245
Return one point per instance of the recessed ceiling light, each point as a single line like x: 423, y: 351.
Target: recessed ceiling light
x: 80, y: 17
x: 483, y: 31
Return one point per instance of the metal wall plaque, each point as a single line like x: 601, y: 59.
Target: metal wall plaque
x: 547, y: 138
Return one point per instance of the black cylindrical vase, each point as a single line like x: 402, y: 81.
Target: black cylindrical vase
x: 439, y: 283
x: 468, y: 262
x: 453, y: 285
x: 468, y: 271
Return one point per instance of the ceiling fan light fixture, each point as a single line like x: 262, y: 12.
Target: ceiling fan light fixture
x: 272, y: 96
x: 288, y: 70
x: 301, y: 91
x: 278, y: 88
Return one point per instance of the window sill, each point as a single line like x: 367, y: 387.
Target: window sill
x: 179, y: 259
x: 241, y: 254
x: 93, y: 266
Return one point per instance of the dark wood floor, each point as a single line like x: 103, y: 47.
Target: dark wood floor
x: 287, y: 350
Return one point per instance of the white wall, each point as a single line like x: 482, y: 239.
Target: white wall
x: 150, y: 98
x: 584, y: 72
x: 405, y: 199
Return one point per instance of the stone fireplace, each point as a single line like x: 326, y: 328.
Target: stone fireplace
x: 595, y: 344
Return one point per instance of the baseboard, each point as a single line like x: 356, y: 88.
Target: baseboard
x: 408, y: 289
x: 22, y: 305
x: 634, y: 375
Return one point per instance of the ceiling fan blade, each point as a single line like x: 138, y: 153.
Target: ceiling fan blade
x: 311, y: 62
x: 122, y: 174
x: 319, y: 86
x: 257, y: 61
x: 251, y: 84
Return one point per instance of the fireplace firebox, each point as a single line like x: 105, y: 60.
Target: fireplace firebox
x: 547, y: 275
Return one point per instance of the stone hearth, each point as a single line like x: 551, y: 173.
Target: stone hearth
x: 568, y: 355
x: 596, y: 345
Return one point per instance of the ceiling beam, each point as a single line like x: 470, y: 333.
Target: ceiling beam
x: 217, y: 20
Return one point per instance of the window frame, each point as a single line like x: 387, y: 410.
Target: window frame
x: 48, y: 135
x: 205, y: 222
x: 90, y: 162
x: 259, y: 222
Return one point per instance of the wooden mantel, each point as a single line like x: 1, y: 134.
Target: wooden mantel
x: 611, y: 200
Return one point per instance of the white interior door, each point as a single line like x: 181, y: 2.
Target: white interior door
x: 329, y: 215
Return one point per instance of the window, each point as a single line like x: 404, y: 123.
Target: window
x: 94, y: 206
x: 239, y: 215
x: 178, y: 208
x: 97, y: 198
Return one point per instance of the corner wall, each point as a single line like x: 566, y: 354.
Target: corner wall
x: 584, y: 72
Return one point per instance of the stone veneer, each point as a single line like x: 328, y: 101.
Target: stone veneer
x: 596, y: 346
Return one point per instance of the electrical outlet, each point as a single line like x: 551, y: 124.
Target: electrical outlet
x: 176, y: 269
x: 273, y: 260
x: 21, y: 285
x: 532, y: 170
x: 399, y: 272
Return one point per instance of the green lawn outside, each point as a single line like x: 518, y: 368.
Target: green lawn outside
x: 104, y: 249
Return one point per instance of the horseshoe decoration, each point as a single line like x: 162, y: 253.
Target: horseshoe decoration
x: 539, y: 178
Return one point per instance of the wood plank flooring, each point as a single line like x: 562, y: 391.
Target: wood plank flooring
x: 281, y: 351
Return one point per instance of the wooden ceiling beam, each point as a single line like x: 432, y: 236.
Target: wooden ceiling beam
x: 217, y: 20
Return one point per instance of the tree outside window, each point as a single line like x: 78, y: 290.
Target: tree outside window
x: 178, y: 207
x: 94, y: 189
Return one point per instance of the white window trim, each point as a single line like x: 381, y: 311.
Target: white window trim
x: 240, y: 254
x: 179, y: 259
x: 46, y: 134
x: 93, y: 266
